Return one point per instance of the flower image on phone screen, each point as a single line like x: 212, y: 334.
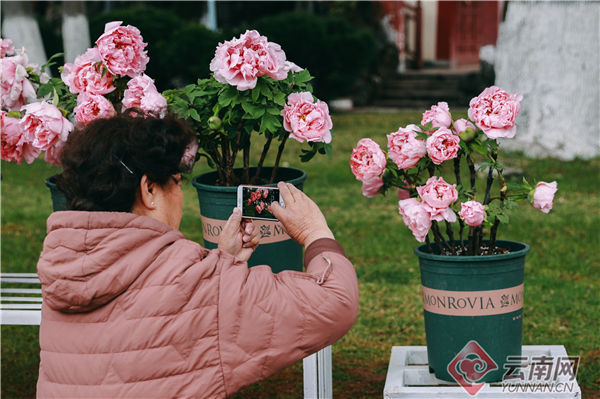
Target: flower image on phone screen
x: 256, y: 201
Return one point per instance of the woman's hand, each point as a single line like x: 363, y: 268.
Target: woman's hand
x: 301, y: 217
x: 239, y: 237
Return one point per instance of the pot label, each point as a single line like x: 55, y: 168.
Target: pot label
x: 270, y: 231
x: 473, y: 303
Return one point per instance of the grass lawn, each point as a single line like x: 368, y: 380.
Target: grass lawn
x: 562, y: 272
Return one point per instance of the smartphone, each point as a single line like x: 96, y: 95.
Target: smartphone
x: 254, y: 201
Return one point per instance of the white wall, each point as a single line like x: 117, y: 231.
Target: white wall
x: 550, y: 52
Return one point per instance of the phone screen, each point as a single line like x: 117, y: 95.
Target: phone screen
x: 255, y: 201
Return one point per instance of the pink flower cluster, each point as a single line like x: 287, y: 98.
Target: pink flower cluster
x: 492, y: 115
x: 307, y: 120
x: 119, y: 52
x: 256, y: 198
x: 241, y: 61
x: 15, y: 88
x: 43, y: 128
x: 494, y: 112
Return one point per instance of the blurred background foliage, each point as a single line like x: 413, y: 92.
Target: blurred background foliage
x: 341, y: 43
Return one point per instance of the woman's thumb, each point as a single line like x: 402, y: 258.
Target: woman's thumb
x: 234, y: 220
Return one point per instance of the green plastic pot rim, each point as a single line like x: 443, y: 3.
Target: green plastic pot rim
x: 51, y: 181
x: 209, y: 187
x: 419, y: 251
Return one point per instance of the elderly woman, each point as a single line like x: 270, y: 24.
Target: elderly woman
x: 131, y: 309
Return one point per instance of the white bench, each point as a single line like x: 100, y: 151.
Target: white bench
x: 20, y: 299
x: 22, y: 306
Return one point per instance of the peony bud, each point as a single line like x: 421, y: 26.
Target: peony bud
x: 467, y: 135
x: 214, y: 122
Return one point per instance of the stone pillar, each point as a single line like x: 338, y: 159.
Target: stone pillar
x: 75, y: 30
x: 550, y: 52
x: 19, y: 25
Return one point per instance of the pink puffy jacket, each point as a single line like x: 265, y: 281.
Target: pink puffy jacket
x: 131, y: 309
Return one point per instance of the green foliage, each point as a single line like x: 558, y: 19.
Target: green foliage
x: 225, y: 119
x: 333, y: 49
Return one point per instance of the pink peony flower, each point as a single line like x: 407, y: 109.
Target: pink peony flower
x: 43, y: 125
x: 142, y: 93
x: 494, y: 111
x: 416, y: 217
x: 12, y: 139
x: 307, y: 121
x: 6, y: 47
x: 472, y: 212
x: 371, y: 186
x: 53, y: 153
x: 189, y: 157
x: 544, y: 195
x: 85, y: 75
x: 367, y: 160
x: 241, y: 61
x: 14, y: 145
x: 438, y: 196
x: 15, y: 88
x: 438, y: 115
x: 92, y: 106
x: 442, y: 145
x: 122, y: 49
x: 403, y: 194
x: 404, y: 147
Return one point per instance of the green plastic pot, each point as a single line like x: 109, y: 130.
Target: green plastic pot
x: 473, y: 298
x: 59, y: 201
x: 216, y: 204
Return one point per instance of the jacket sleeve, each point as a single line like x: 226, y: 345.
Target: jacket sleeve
x: 268, y: 321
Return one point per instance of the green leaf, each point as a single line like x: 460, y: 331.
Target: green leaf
x: 45, y: 90
x: 194, y: 114
x: 328, y: 150
x: 255, y: 111
x: 227, y: 96
x: 255, y: 93
x: 279, y: 98
x: 502, y: 218
x: 274, y: 111
x: 302, y: 76
x: 55, y: 98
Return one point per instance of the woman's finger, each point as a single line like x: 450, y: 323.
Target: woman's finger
x: 285, y: 193
x: 233, y: 223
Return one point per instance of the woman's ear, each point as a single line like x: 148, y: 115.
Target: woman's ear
x: 147, y: 194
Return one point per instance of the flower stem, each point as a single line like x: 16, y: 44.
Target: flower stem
x: 494, y: 229
x: 450, y: 234
x: 263, y: 155
x: 246, y: 173
x: 428, y: 243
x: 279, y: 152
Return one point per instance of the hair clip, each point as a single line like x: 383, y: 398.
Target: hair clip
x: 125, y: 166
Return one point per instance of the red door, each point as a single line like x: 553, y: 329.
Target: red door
x: 464, y: 27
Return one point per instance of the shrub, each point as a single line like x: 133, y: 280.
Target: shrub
x: 331, y: 48
x: 187, y: 55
